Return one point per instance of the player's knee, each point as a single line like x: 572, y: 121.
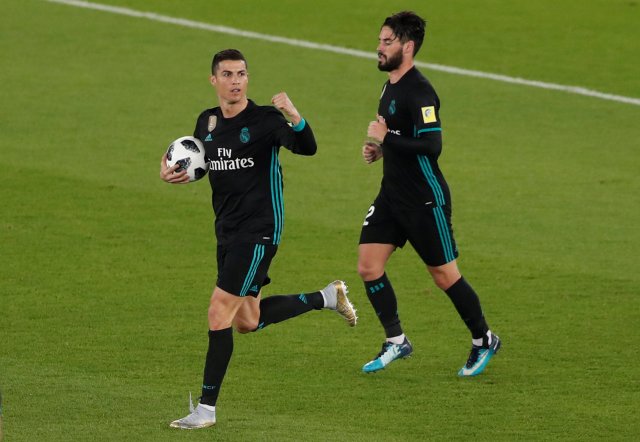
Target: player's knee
x: 441, y: 281
x: 244, y: 329
x: 445, y: 275
x: 245, y: 326
x: 369, y: 272
x: 246, y: 322
x: 445, y: 280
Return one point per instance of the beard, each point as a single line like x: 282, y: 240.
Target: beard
x: 393, y: 62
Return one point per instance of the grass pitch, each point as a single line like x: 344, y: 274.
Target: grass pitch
x: 105, y: 271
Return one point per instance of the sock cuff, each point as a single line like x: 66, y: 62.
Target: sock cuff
x: 221, y: 333
x: 208, y: 407
x: 459, y: 283
x: 324, y: 299
x: 399, y: 339
x: 377, y: 284
x: 380, y: 279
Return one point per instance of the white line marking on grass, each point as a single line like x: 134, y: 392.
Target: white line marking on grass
x: 344, y: 51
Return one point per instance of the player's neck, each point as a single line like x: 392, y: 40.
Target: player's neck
x: 231, y: 109
x: 397, y: 74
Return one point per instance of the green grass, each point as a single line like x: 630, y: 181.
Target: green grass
x: 105, y: 271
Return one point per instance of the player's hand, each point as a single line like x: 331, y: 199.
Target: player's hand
x: 282, y: 102
x: 169, y: 175
x: 371, y: 152
x: 377, y: 129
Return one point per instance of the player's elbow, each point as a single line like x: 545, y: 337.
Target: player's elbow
x: 433, y: 143
x: 309, y: 150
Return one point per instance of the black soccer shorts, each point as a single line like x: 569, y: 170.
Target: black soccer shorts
x: 243, y: 267
x: 427, y: 229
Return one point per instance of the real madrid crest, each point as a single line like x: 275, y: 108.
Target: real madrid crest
x: 245, y: 136
x: 213, y: 120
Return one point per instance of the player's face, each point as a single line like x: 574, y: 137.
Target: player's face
x: 231, y: 80
x: 389, y: 50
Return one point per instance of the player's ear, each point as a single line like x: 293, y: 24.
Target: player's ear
x: 408, y: 47
x: 212, y: 80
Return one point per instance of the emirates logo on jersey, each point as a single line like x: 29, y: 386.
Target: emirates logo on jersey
x: 226, y: 162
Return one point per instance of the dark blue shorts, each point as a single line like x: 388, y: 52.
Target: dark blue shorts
x: 427, y: 229
x: 243, y: 267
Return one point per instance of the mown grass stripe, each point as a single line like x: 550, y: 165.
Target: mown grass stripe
x: 347, y: 51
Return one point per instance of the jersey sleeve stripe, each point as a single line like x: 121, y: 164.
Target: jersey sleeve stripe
x: 430, y: 129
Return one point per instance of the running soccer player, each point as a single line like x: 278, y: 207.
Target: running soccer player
x: 414, y: 203
x: 242, y: 142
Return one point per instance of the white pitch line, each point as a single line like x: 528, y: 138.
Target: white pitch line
x: 344, y: 51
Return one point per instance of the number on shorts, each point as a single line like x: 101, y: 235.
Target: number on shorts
x: 366, y: 218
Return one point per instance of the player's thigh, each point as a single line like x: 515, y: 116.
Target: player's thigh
x: 243, y: 267
x: 430, y: 233
x: 223, y: 308
x: 381, y: 225
x: 380, y: 235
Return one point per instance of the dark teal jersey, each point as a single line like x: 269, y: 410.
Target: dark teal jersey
x: 245, y: 172
x: 411, y: 175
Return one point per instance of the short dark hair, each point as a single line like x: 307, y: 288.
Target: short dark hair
x: 227, y: 54
x: 407, y: 26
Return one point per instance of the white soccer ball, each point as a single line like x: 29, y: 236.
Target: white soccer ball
x: 188, y: 152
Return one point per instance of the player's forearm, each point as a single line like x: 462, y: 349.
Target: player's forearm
x: 304, y: 138
x: 428, y: 144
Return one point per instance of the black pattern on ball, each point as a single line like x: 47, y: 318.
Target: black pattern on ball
x: 199, y: 173
x: 170, y: 152
x: 184, y: 164
x: 190, y: 146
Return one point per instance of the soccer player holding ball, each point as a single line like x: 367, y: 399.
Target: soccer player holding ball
x: 242, y: 143
x: 414, y: 203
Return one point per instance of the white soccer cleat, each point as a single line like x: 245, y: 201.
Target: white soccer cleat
x: 335, y: 295
x: 200, y: 417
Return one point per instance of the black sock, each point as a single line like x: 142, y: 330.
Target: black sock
x: 467, y: 304
x: 215, y: 367
x: 383, y: 300
x: 278, y: 308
